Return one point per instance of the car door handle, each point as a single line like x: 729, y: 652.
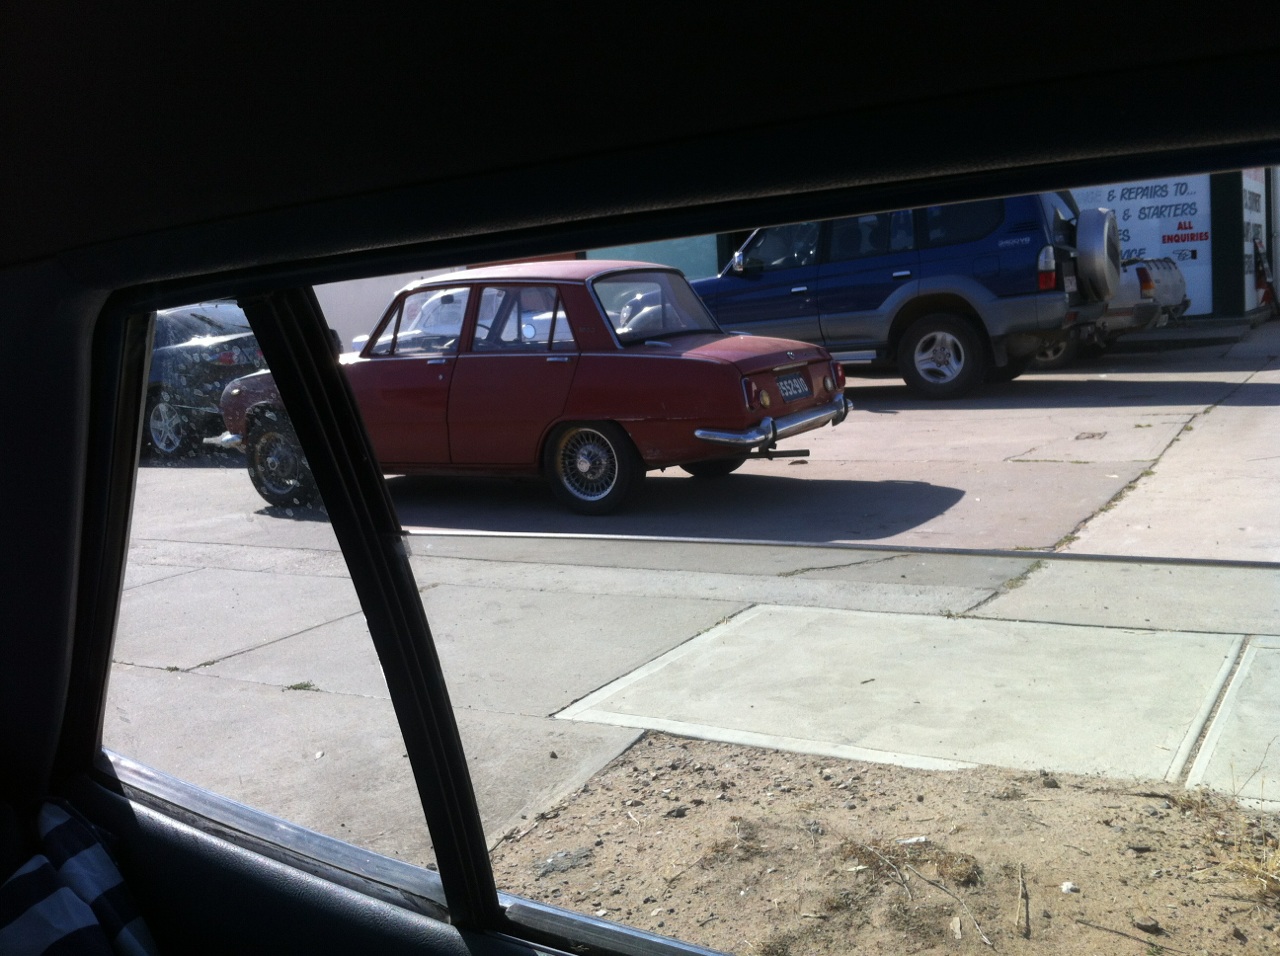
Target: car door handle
x: 797, y: 289
x: 439, y: 361
x: 558, y: 358
x: 902, y: 274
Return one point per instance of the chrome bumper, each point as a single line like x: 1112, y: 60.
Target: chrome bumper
x: 228, y: 440
x: 771, y: 430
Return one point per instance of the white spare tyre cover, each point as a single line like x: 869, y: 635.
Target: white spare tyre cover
x: 1098, y: 253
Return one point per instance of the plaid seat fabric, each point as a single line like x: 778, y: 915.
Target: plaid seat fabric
x: 69, y: 899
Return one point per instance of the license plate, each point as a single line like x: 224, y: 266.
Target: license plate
x: 793, y: 385
x: 1069, y: 283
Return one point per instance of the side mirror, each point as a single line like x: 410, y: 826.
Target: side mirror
x: 745, y: 267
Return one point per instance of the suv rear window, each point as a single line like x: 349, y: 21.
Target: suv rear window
x: 1060, y: 209
x: 962, y: 222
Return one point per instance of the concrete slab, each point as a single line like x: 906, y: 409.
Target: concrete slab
x: 207, y: 615
x: 509, y: 755
x: 335, y: 658
x: 825, y: 588
x: 512, y: 768
x: 490, y: 642
x: 983, y: 504
x: 211, y: 499
x: 532, y: 652
x: 928, y: 691
x: 981, y: 573
x: 635, y: 553
x: 340, y: 770
x: 1008, y: 434
x: 1233, y: 449
x: 324, y: 562
x: 1241, y: 753
x: 1149, y: 596
x: 136, y: 573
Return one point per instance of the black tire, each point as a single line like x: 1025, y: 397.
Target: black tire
x: 1097, y: 254
x: 592, y: 467
x: 169, y: 431
x: 942, y: 356
x: 716, y: 468
x: 277, y: 467
x: 1055, y: 355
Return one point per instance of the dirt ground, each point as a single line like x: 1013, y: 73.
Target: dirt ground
x: 780, y: 854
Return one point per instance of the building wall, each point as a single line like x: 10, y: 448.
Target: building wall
x: 1165, y: 218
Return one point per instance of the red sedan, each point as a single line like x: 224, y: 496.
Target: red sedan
x: 587, y: 372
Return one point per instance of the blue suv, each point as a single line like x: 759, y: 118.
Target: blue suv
x: 953, y: 295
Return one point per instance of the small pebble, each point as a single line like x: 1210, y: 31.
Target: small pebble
x: 1148, y: 924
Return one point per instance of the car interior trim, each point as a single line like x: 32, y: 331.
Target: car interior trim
x: 389, y: 879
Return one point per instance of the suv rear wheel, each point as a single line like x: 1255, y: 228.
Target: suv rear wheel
x: 942, y: 356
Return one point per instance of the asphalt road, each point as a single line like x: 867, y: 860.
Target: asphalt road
x: 955, y: 558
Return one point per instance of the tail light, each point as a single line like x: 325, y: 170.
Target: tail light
x: 751, y: 392
x: 1144, y: 282
x: 1047, y: 268
x: 837, y: 375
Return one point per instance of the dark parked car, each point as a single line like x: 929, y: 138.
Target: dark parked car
x: 953, y: 295
x: 587, y: 372
x: 196, y: 351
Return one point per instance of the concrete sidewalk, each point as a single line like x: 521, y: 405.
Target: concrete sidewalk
x: 240, y: 626
x: 1190, y: 333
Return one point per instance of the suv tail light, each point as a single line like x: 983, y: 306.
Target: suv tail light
x: 1047, y: 267
x: 1144, y: 282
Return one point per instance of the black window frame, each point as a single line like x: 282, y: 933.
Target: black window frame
x: 295, y: 340
x: 105, y: 456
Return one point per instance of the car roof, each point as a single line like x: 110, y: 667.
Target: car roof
x: 554, y: 270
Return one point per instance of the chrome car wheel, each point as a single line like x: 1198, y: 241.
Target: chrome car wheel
x: 940, y: 357
x: 168, y: 430
x: 592, y: 468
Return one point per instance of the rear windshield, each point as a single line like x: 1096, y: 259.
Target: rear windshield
x: 649, y: 305
x: 1060, y: 210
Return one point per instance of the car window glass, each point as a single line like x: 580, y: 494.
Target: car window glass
x: 561, y: 331
x: 515, y: 318
x: 429, y: 320
x: 1061, y: 211
x: 962, y: 222
x: 870, y: 235
x: 648, y: 305
x: 782, y: 247
x: 241, y: 661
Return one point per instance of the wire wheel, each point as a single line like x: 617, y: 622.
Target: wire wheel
x: 278, y: 468
x: 592, y: 467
